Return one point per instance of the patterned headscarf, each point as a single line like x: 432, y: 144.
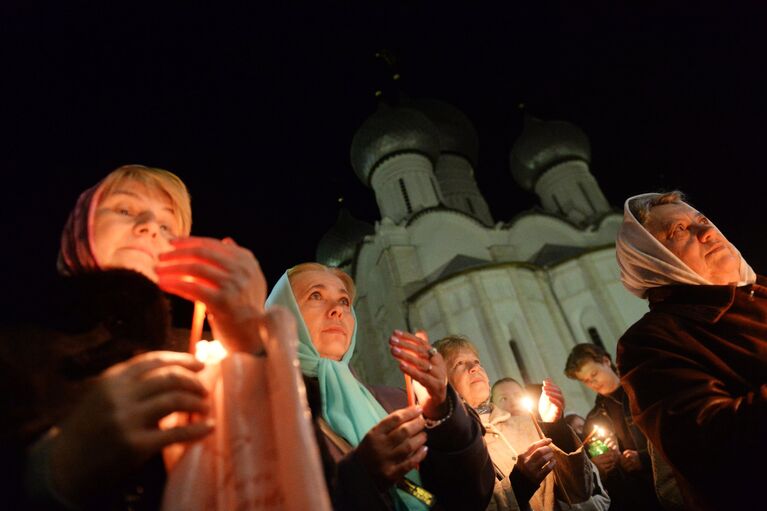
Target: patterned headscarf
x: 76, y: 253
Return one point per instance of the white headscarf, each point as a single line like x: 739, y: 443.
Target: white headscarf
x: 645, y: 263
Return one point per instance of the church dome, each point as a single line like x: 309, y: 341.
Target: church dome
x: 391, y: 131
x: 544, y: 144
x: 337, y: 246
x: 456, y: 132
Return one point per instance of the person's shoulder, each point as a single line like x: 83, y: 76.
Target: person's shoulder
x: 654, y: 324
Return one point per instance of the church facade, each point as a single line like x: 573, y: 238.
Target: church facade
x: 525, y: 291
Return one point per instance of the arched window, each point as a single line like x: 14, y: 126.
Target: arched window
x: 595, y: 337
x: 520, y: 361
x: 405, y: 196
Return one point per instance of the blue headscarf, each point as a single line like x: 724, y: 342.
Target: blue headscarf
x: 347, y: 405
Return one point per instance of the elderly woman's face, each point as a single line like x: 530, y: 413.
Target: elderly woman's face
x: 132, y: 226
x: 326, y: 309
x: 692, y: 238
x: 468, y: 377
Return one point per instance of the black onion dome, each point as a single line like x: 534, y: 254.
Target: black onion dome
x: 337, y: 246
x: 457, y: 134
x: 392, y: 131
x: 544, y: 144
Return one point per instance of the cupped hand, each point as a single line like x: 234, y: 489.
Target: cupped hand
x: 412, y: 353
x: 630, y: 461
x: 606, y: 462
x: 551, y: 404
x: 394, y: 446
x: 114, y: 429
x: 537, y: 461
x: 226, y: 278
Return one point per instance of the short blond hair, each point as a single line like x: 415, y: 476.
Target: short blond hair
x: 155, y: 179
x: 345, y: 277
x: 452, y: 344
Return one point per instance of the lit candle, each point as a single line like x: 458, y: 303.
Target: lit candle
x: 596, y: 431
x: 527, y: 403
x: 409, y: 390
x: 210, y: 352
x: 198, y: 318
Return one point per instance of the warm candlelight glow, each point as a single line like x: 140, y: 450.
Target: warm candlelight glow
x: 409, y: 390
x: 527, y: 404
x: 198, y: 319
x: 597, y: 431
x: 210, y: 352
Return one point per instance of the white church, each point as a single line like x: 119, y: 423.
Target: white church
x: 525, y: 291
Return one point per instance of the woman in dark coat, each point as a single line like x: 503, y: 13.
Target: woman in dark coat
x: 110, y: 347
x: 695, y: 366
x: 380, y: 453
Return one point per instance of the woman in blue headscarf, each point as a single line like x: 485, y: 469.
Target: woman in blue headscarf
x: 378, y: 452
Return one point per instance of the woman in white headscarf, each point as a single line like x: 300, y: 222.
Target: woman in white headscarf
x: 695, y: 366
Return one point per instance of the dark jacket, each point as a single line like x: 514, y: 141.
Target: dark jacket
x: 695, y: 368
x: 628, y: 490
x: 457, y: 469
x: 80, y: 326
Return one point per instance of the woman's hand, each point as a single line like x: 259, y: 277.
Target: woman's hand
x: 226, y: 278
x: 606, y: 462
x: 551, y: 404
x: 537, y: 461
x: 394, y: 446
x: 630, y: 461
x: 427, y: 367
x: 114, y: 429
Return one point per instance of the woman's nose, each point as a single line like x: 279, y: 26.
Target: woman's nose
x: 705, y: 232
x: 146, y: 223
x: 336, y: 311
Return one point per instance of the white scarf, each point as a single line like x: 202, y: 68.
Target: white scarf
x: 645, y: 263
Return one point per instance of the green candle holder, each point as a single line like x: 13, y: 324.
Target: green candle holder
x: 597, y: 447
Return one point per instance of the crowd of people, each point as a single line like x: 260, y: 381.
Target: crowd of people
x: 89, y: 381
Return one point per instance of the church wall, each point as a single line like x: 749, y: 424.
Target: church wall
x: 441, y: 235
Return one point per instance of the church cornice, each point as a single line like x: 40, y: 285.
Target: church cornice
x: 445, y: 209
x: 594, y: 225
x: 505, y: 264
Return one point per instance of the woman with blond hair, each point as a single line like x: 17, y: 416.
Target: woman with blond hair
x: 102, y: 362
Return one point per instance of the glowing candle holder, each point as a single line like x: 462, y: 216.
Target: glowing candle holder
x: 596, y: 446
x: 210, y: 352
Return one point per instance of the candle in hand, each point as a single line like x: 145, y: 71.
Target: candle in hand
x: 527, y: 404
x: 210, y: 352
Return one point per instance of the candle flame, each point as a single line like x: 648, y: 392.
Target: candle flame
x: 527, y: 404
x: 599, y: 431
x: 210, y: 352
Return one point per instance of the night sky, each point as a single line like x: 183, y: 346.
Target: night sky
x: 255, y: 108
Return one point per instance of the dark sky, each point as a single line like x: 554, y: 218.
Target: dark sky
x: 255, y: 107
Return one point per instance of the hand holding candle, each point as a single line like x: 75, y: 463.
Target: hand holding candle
x: 227, y: 279
x: 427, y: 369
x: 527, y: 404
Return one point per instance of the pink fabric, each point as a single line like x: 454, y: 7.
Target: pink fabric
x: 262, y: 454
x: 76, y: 251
